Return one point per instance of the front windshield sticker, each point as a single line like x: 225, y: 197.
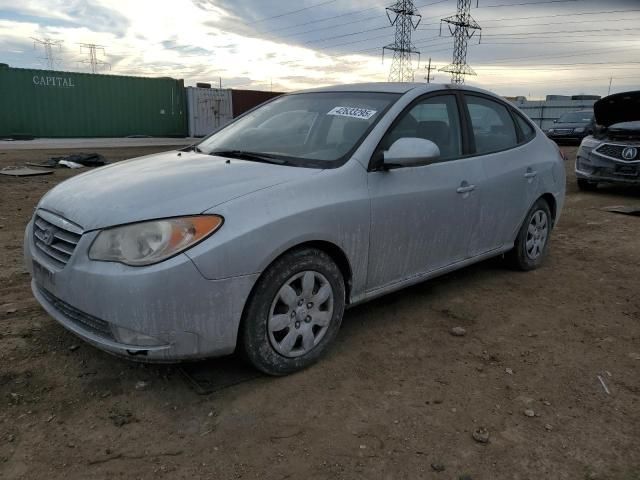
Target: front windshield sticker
x: 363, y: 113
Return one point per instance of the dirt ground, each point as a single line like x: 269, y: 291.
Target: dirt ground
x: 395, y: 395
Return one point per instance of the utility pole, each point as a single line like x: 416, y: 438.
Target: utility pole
x: 406, y: 19
x: 48, y: 45
x: 92, y: 52
x: 462, y: 26
x: 428, y: 78
x: 610, y: 82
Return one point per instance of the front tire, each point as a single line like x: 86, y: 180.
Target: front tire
x: 533, y: 238
x: 294, y: 312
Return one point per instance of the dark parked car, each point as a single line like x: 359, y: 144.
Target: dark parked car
x: 612, y: 154
x: 572, y: 126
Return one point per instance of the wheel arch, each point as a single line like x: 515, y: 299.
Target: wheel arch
x: 334, y: 251
x: 553, y: 205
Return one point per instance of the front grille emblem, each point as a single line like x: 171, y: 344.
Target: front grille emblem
x: 48, y: 236
x: 629, y: 153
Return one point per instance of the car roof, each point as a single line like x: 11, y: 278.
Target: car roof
x: 394, y: 87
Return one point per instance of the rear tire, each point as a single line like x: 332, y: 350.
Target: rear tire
x: 586, y: 185
x: 533, y: 238
x: 294, y: 312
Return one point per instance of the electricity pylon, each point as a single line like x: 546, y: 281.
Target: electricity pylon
x: 462, y: 26
x: 406, y: 19
x: 92, y: 52
x: 48, y: 45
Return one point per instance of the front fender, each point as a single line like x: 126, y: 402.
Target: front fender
x: 332, y: 206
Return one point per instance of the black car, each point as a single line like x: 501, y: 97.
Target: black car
x: 572, y: 126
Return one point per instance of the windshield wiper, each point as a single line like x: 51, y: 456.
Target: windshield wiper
x: 251, y: 156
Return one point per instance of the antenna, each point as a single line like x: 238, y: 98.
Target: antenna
x: 47, y: 45
x: 406, y: 19
x: 91, y: 50
x: 462, y: 26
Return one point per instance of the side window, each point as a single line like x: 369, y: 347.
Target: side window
x: 493, y: 127
x: 434, y: 119
x: 525, y: 127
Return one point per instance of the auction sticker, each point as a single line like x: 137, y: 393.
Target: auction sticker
x: 363, y: 113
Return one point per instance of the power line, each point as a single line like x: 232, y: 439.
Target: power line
x: 464, y: 27
x: 406, y: 19
x: 529, y: 3
x: 292, y: 12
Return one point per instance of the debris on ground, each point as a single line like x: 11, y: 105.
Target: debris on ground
x: 68, y: 164
x: 458, y: 332
x: 437, y: 467
x: 82, y: 159
x: 508, y: 371
x: 23, y: 172
x: 481, y: 435
x: 548, y: 427
x: 77, y: 160
x: 624, y: 210
x: 604, y: 385
x: 73, y: 348
x: 529, y: 413
x: 121, y: 417
x: 142, y: 385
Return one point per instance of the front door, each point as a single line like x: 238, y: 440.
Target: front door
x: 422, y: 217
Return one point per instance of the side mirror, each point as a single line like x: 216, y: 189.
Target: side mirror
x: 407, y: 152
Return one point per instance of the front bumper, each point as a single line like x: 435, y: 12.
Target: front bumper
x: 598, y: 168
x: 188, y: 316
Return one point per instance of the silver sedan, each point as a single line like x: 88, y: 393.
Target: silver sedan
x: 257, y: 238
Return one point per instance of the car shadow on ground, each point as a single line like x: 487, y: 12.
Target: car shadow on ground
x: 210, y: 376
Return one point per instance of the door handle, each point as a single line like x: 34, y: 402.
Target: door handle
x: 466, y: 188
x: 530, y: 174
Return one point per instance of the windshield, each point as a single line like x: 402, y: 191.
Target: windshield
x: 576, y: 117
x: 307, y: 129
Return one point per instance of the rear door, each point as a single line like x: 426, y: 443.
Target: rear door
x: 422, y: 217
x: 510, y: 180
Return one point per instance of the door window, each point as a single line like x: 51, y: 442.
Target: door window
x: 434, y: 119
x: 493, y: 127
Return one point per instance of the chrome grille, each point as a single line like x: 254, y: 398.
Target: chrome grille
x: 615, y: 151
x: 79, y: 318
x: 55, y: 237
x: 563, y: 131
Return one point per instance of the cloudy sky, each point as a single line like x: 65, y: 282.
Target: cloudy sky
x: 528, y: 47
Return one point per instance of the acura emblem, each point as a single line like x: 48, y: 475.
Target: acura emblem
x: 629, y: 153
x: 47, y: 236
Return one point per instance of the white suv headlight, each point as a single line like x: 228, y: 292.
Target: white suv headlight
x: 578, y: 130
x: 146, y: 243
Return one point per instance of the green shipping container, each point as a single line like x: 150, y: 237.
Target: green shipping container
x: 44, y: 103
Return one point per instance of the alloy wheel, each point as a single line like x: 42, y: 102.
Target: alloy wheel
x: 537, y: 234
x: 300, y: 313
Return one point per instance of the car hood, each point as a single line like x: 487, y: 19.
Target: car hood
x: 618, y: 108
x: 163, y: 185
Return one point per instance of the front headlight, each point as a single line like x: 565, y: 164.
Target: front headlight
x: 578, y: 130
x: 151, y: 242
